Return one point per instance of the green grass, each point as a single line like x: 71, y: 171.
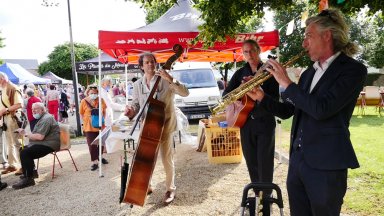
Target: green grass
x: 365, y: 193
x: 366, y: 184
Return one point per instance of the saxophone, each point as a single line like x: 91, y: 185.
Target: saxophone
x: 240, y: 91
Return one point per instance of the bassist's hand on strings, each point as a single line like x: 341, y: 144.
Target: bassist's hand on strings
x: 164, y: 75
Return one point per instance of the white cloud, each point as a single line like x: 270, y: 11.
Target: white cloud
x: 31, y: 31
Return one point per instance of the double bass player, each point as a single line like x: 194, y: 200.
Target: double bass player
x: 165, y: 92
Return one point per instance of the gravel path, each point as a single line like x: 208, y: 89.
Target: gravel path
x: 202, y: 188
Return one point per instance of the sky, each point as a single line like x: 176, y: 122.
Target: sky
x: 31, y: 31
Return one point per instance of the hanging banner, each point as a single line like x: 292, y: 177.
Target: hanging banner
x: 323, y: 4
x: 291, y: 26
x: 105, y: 66
x: 304, y: 17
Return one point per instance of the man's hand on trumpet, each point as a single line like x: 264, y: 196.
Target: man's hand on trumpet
x: 279, y: 72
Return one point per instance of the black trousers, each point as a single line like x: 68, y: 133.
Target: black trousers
x: 93, y: 149
x: 258, y: 150
x: 312, y: 191
x: 29, y: 153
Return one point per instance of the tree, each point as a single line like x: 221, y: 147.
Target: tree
x: 367, y: 31
x: 155, y: 9
x: 290, y: 45
x: 223, y: 16
x: 59, y: 60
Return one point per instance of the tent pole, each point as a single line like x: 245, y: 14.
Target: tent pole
x: 100, y: 119
x: 74, y: 74
x: 126, y: 81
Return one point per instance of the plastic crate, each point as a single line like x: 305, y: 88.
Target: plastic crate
x: 223, y: 145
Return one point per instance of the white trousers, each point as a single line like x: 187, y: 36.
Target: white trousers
x: 12, y: 142
x: 166, y: 153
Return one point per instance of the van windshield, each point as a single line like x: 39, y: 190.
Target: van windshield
x: 195, y: 78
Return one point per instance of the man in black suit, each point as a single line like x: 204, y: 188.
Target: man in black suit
x: 321, y: 150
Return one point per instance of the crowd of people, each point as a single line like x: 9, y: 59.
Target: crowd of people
x: 31, y: 112
x: 321, y: 104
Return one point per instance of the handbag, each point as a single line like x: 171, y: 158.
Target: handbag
x: 20, y: 118
x: 95, y: 116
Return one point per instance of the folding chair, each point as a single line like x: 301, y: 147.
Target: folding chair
x: 65, y: 145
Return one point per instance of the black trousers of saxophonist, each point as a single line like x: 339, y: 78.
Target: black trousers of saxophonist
x: 258, y: 145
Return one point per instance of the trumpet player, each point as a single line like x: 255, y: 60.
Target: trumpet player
x: 258, y: 132
x: 324, y: 98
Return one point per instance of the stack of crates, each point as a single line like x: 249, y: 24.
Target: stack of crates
x: 223, y: 144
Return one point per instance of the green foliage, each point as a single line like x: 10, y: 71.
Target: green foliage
x: 59, y: 61
x: 352, y: 6
x: 375, y: 55
x: 226, y: 17
x: 155, y: 9
x: 367, y: 31
x: 222, y: 17
x: 291, y: 45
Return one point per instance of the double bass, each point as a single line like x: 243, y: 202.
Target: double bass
x: 144, y: 159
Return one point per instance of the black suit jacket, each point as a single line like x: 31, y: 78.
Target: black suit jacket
x: 325, y: 113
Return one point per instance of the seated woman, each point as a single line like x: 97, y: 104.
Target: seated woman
x: 44, y: 139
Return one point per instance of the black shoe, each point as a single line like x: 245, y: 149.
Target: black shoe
x: 94, y: 167
x: 35, y: 175
x: 23, y: 183
x: 104, y: 161
x: 3, y: 185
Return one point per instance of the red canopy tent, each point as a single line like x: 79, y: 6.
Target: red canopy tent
x: 179, y: 25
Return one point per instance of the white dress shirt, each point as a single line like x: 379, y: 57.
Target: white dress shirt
x: 321, y: 68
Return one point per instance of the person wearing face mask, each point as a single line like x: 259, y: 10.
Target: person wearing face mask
x: 90, y: 102
x: 44, y: 139
x: 106, y: 83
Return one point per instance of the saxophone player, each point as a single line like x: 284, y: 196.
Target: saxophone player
x: 258, y: 132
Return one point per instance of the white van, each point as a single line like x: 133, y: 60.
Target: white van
x: 202, y: 85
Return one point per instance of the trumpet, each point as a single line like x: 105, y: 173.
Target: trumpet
x: 240, y: 91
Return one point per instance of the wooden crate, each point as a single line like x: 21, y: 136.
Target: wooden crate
x: 223, y: 145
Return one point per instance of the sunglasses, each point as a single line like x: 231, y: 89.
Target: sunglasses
x: 325, y: 13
